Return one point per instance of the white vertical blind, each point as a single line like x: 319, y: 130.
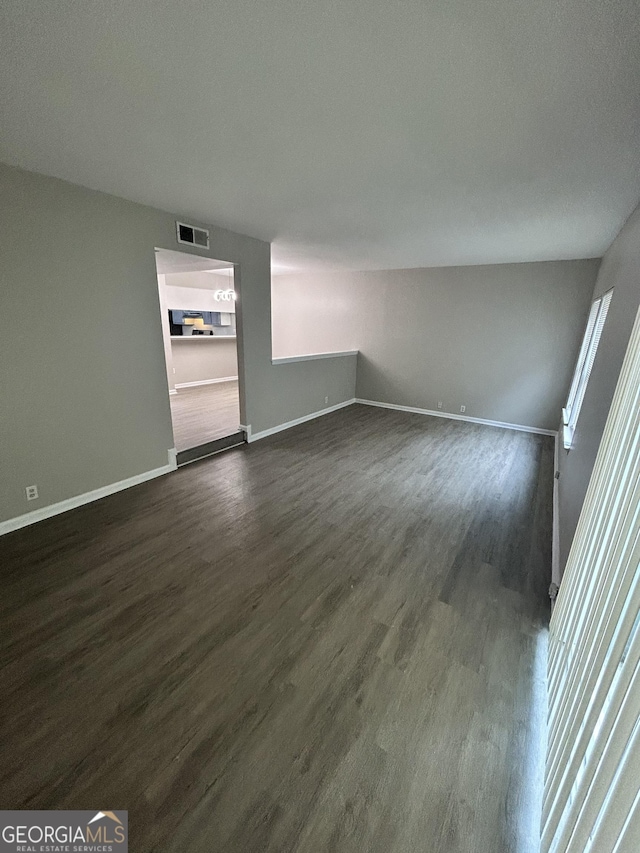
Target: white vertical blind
x: 582, y: 357
x: 593, y: 757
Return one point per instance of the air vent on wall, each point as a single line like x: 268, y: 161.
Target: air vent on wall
x: 192, y: 236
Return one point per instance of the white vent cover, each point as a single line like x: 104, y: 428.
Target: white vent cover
x: 192, y: 236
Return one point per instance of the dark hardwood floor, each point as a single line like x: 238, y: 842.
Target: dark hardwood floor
x: 333, y: 639
x: 204, y: 413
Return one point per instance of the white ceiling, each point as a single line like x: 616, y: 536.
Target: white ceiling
x: 358, y: 134
x: 168, y: 262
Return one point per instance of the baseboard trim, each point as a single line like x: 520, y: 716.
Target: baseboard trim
x: 206, y: 382
x: 95, y: 495
x: 255, y: 436
x: 172, y: 391
x: 454, y: 417
x: 88, y: 497
x: 251, y: 436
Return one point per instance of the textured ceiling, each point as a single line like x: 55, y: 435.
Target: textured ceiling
x: 361, y: 134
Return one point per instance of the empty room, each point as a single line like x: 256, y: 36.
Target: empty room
x: 320, y: 427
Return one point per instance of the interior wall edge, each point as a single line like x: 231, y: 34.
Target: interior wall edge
x: 619, y: 270
x: 454, y: 417
x: 114, y: 384
x: 255, y: 436
x: 555, y: 525
x: 499, y: 339
x: 58, y: 508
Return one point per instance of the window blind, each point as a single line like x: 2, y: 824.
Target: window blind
x: 582, y: 357
x: 591, y: 799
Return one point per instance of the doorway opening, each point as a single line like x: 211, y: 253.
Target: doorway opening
x: 198, y: 306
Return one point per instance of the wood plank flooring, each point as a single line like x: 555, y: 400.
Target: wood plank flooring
x: 333, y: 639
x: 204, y: 413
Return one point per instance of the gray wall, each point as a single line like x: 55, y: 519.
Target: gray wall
x: 620, y: 269
x: 501, y: 340
x: 84, y: 388
x: 199, y: 359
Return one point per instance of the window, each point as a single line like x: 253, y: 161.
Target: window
x: 593, y: 332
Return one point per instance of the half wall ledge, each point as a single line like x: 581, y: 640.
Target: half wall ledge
x: 312, y: 356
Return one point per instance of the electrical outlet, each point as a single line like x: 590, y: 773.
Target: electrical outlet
x: 439, y: 404
x: 463, y: 408
x: 32, y: 493
x: 326, y: 401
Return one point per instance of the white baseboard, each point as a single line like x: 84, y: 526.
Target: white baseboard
x: 172, y: 391
x: 267, y: 432
x: 79, y: 500
x: 206, y: 382
x: 438, y: 414
x: 453, y: 417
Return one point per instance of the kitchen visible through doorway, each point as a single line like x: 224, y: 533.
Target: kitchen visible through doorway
x: 198, y: 305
